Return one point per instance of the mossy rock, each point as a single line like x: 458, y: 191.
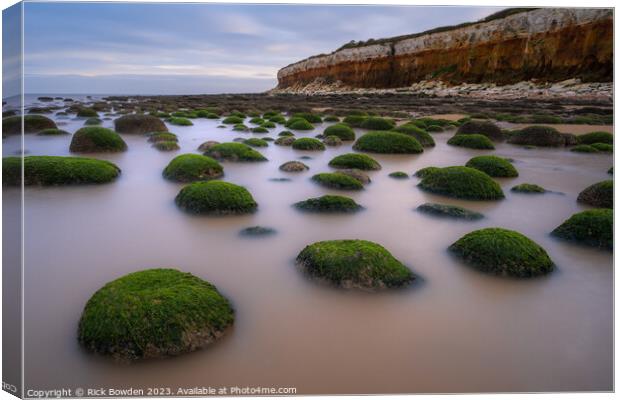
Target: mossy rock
x: 268, y: 125
x: 234, y: 152
x: 154, y: 313
x: 337, y: 181
x: 257, y: 121
x: 308, y: 144
x: 278, y: 119
x: 180, y: 121
x: 377, y: 124
x: 233, y: 120
x: 240, y: 128
x: 255, y: 142
x: 52, y: 132
x: 260, y: 129
x: 399, y: 175
x: 166, y: 146
x: 354, y: 264
x: 354, y: 120
x: 87, y: 113
x: 584, y: 148
x: 344, y: 132
x: 603, y: 147
x: 286, y: 133
x: 300, y: 125
x: 486, y: 128
x: 285, y: 140
x: 434, y: 128
x: 424, y: 172
x: 331, y: 118
x: 600, y: 195
x: 215, y: 198
x: 444, y: 210
x: 332, y: 141
x: 503, y: 252
x: 543, y: 136
x: 591, y: 227
x: 462, y: 183
x: 354, y: 160
x: 419, y: 134
x: 95, y: 139
x: 473, y: 141
x: 55, y: 170
x: 329, y: 204
x: 257, y: 231
x: 596, y: 137
x: 310, y: 117
x: 192, y: 167
x: 494, y: 166
x: 387, y: 142
x: 139, y: 124
x: 528, y: 188
x: 294, y: 166
x: 32, y: 124
x: 356, y: 174
x: 207, y: 145
x: 92, y: 121
x: 162, y: 137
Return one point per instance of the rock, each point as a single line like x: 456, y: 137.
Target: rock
x: 338, y: 181
x: 329, y: 204
x: 139, y: 124
x: 462, y: 183
x: 344, y: 132
x: 192, y: 167
x: 528, y: 188
x: 32, y: 124
x: 95, y: 139
x: 355, y: 160
x: 493, y: 166
x: 234, y: 152
x: 308, y: 144
x: 538, y: 136
x: 257, y: 231
x: 444, y: 210
x: 215, y: 198
x: 473, y: 141
x: 599, y: 195
x: 294, y: 166
x: 207, y: 145
x: 591, y: 228
x: 55, y: 170
x: 388, y: 142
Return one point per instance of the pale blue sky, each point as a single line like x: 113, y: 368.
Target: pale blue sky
x: 154, y: 48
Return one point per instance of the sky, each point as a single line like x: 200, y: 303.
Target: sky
x: 141, y: 48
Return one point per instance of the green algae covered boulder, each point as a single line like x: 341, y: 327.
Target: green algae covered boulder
x: 308, y: 116
x: 354, y: 120
x: 256, y: 231
x: 445, y: 210
x: 398, y: 175
x: 231, y: 151
x: 180, y: 121
x: 215, y: 198
x: 52, y: 132
x: 139, y: 124
x: 603, y: 147
x: 285, y: 141
x: 494, y: 166
x: 502, y: 252
x: 329, y: 204
x: 591, y: 227
x: 233, y: 120
x: 308, y: 144
x: 167, y: 145
x: 192, y: 167
x: 462, y: 183
x: 354, y: 160
x: 87, y: 113
x: 377, y: 124
x: 600, y: 195
x: 32, y: 124
x: 486, y: 128
x: 354, y: 264
x: 344, y: 132
x: 472, y: 141
x: 93, y: 121
x: 528, y: 188
x: 387, y: 142
x: 584, y: 148
x: 337, y: 181
x: 162, y: 137
x: 596, y: 137
x: 95, y: 139
x: 256, y: 142
x: 426, y: 171
x: 259, y: 129
x: 425, y: 139
x: 543, y: 136
x: 56, y: 170
x: 332, y: 141
x: 154, y: 313
x: 299, y: 124
x: 294, y: 166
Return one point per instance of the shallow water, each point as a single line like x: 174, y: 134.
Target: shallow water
x: 455, y: 330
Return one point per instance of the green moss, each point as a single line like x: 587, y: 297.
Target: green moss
x: 544, y: 136
x: 331, y: 118
x: 300, y: 124
x: 93, y: 121
x: 294, y: 166
x: 286, y: 133
x: 584, y: 148
x: 54, y: 170
x: 434, y: 128
x: 596, y: 137
x: 503, y: 252
x: 444, y: 210
x: 337, y: 181
x: 162, y: 137
x: 332, y: 141
x: 486, y: 128
x: 139, y: 124
x: 154, y: 313
x: 237, y: 114
x: 473, y: 141
x: 399, y: 175
x: 192, y: 167
x: 240, y: 128
x: 603, y: 147
x: 388, y: 142
x: 377, y: 123
x: 257, y: 231
x: 180, y: 121
x: 353, y: 160
x: 494, y: 166
x: 329, y: 204
x: 308, y: 144
x: 166, y: 146
x: 216, y: 198
x: 268, y: 125
x: 462, y: 183
x: 419, y: 134
x: 590, y: 227
x: 343, y: 131
x: 52, y: 132
x: 424, y: 172
x: 599, y: 195
x: 354, y: 264
x: 234, y: 152
x: 354, y: 120
x: 257, y: 121
x: 285, y: 140
x: 260, y: 129
x: 32, y: 123
x: 94, y: 139
x: 255, y: 142
x: 87, y: 113
x: 232, y: 120
x: 310, y: 117
x: 528, y: 188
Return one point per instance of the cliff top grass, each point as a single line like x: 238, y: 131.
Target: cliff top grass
x: 354, y: 264
x: 600, y: 195
x: 462, y: 183
x: 485, y: 128
x: 55, y: 170
x: 596, y: 137
x: 503, y: 252
x: 308, y: 144
x: 329, y: 204
x: 139, y: 124
x: 425, y: 139
x: 354, y: 160
x: 528, y: 188
x: 215, y: 198
x: 344, y: 132
x: 95, y: 139
x: 32, y: 123
x: 192, y: 167
x: 377, y: 124
x: 234, y: 152
x: 445, y: 210
x: 591, y: 228
x: 473, y: 141
x: 335, y: 180
x: 388, y: 143
x: 493, y: 166
x: 153, y: 313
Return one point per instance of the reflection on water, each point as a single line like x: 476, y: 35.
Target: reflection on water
x: 458, y: 331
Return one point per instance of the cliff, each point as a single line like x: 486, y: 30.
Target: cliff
x: 550, y: 44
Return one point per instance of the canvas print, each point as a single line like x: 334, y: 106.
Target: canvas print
x: 205, y: 199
